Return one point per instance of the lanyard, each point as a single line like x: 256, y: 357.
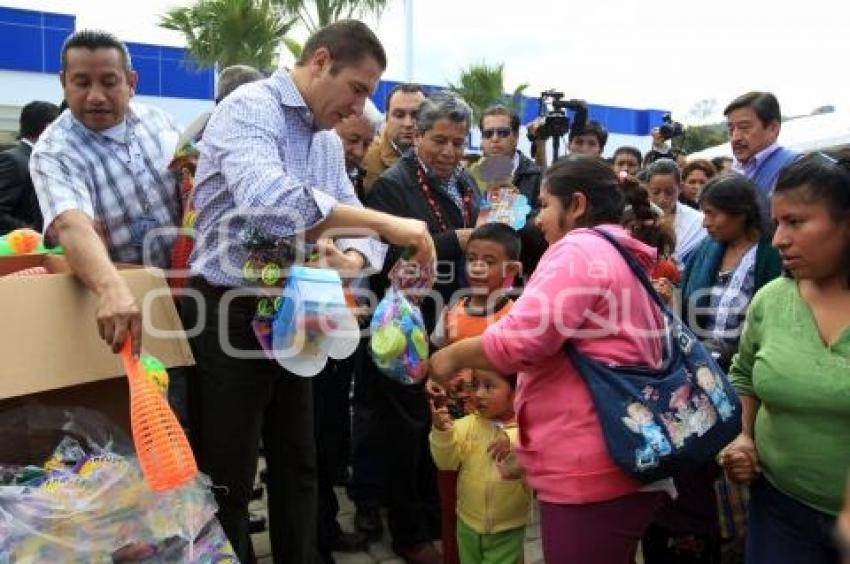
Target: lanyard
x: 466, y: 198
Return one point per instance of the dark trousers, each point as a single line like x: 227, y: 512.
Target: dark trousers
x: 686, y: 530
x: 783, y: 530
x: 235, y: 402
x: 367, y: 487
x: 332, y: 409
x: 401, y: 420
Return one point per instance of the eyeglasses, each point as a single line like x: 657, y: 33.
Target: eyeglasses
x: 503, y: 132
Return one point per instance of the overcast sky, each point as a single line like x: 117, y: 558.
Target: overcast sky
x: 631, y: 53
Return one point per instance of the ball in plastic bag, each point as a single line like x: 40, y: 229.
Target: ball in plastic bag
x: 398, y: 344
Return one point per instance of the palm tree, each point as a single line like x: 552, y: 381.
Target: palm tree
x: 220, y: 33
x: 316, y: 14
x: 483, y: 85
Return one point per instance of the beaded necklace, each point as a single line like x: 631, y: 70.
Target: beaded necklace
x: 466, y: 197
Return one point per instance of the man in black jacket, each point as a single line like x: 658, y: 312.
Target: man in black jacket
x: 499, y: 127
x: 427, y: 184
x: 18, y: 202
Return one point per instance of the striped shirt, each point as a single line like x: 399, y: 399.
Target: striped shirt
x: 117, y: 177
x: 265, y: 169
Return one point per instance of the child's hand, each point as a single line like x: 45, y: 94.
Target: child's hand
x: 436, y: 393
x: 500, y: 448
x: 509, y: 468
x: 440, y: 418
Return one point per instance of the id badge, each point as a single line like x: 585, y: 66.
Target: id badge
x: 139, y: 229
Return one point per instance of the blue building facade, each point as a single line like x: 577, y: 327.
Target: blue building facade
x: 31, y: 41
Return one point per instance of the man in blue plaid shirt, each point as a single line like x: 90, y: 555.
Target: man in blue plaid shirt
x: 100, y: 173
x: 270, y: 174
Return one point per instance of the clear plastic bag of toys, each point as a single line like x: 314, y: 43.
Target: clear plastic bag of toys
x: 71, y: 491
x: 399, y: 342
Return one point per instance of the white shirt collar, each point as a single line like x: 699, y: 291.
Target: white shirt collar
x: 117, y: 132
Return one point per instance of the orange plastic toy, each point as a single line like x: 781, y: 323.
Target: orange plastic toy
x: 23, y: 241
x: 161, y: 445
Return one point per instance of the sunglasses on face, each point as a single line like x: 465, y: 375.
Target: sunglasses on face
x: 503, y: 132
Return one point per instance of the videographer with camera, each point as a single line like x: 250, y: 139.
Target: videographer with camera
x: 589, y: 140
x: 585, y: 138
x: 661, y: 137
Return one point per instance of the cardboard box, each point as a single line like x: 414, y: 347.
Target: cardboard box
x: 50, y: 349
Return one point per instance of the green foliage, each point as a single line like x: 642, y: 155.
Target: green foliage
x: 699, y: 137
x: 483, y: 85
x: 315, y: 14
x: 220, y: 33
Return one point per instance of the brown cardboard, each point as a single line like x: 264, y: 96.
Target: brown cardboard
x: 48, y: 332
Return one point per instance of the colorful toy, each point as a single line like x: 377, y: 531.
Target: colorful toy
x: 25, y: 241
x: 312, y: 322
x: 161, y: 445
x: 90, y: 504
x: 398, y: 344
x: 506, y: 205
x: 155, y: 372
x: 502, y: 203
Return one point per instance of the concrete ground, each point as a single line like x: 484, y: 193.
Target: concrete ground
x: 381, y: 551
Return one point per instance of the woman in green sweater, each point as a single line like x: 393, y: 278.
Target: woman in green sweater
x: 792, y: 372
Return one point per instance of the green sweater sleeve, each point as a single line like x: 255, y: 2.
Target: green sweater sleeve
x: 741, y: 371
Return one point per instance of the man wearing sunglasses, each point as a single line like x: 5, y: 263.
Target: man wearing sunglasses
x: 499, y: 127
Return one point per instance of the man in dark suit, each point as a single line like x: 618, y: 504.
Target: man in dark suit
x: 18, y: 203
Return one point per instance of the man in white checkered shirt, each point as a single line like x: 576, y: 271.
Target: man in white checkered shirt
x: 100, y: 173
x: 270, y: 172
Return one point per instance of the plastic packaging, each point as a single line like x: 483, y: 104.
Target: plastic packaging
x: 72, y: 491
x: 506, y: 205
x: 399, y: 343
x: 313, y: 322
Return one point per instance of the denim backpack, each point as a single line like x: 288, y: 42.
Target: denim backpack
x: 658, y: 422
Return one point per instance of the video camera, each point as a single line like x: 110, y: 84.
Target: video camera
x: 669, y: 128
x: 551, y: 107
x: 556, y: 123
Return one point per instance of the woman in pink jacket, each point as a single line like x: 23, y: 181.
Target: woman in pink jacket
x: 582, y: 290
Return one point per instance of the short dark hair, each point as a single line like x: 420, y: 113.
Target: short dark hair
x: 349, y: 43
x: 500, y: 110
x: 407, y: 88
x: 594, y: 128
x: 92, y: 39
x: 633, y: 151
x: 699, y: 164
x: 500, y: 234
x: 594, y: 178
x: 764, y: 104
x: 734, y: 194
x: 719, y: 161
x: 35, y: 116
x: 663, y: 167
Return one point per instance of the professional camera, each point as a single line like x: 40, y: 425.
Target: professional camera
x: 551, y: 107
x: 556, y: 123
x: 669, y: 128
